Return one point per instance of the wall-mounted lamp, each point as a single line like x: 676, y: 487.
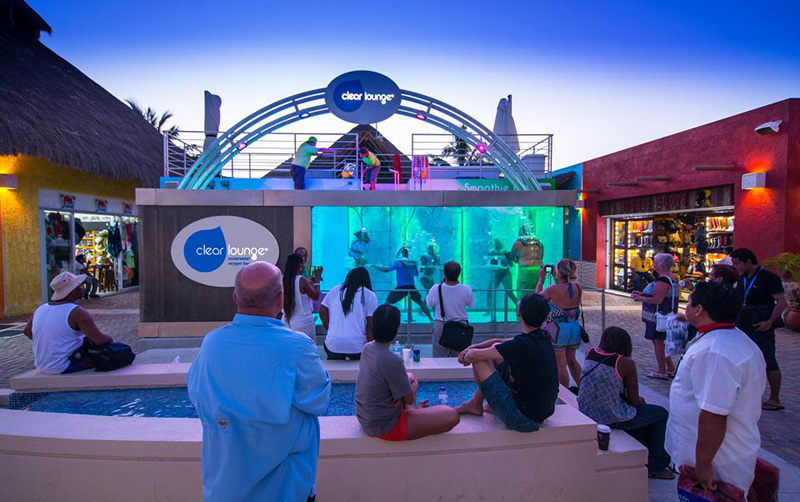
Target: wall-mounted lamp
x: 769, y: 127
x: 754, y: 180
x: 9, y: 181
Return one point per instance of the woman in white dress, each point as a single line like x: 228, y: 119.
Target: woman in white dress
x: 298, y: 292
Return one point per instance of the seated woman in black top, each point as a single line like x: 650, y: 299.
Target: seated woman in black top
x: 517, y: 377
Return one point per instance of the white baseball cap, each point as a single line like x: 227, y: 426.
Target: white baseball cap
x: 65, y: 283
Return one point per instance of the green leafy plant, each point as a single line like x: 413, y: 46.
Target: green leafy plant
x: 788, y: 266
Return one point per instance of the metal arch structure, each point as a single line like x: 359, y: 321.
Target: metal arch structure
x: 312, y: 103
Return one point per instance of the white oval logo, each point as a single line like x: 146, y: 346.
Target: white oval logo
x: 211, y: 251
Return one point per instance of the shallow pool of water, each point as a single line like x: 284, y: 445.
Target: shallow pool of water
x: 173, y: 402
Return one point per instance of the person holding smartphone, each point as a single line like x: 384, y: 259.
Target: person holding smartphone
x: 563, y: 321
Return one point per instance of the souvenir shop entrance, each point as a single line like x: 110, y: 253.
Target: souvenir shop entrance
x: 107, y: 242
x: 696, y: 237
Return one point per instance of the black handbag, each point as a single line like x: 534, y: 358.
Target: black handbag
x: 108, y: 357
x: 455, y: 335
x: 584, y: 334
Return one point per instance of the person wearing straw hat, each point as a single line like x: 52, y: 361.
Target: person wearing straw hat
x: 58, y: 327
x: 302, y: 159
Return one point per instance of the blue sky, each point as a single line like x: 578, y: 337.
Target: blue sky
x: 600, y: 76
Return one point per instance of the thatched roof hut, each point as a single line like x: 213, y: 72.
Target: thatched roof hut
x: 49, y: 109
x: 367, y: 137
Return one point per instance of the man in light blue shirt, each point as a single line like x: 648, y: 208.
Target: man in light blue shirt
x: 258, y: 388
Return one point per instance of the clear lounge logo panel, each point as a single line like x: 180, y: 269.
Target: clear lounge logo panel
x: 211, y: 251
x: 363, y: 97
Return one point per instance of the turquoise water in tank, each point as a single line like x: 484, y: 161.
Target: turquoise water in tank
x: 465, y: 235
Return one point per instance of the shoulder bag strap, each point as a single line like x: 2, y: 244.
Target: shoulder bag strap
x: 598, y: 365
x: 441, y: 301
x: 580, y: 295
x: 672, y: 294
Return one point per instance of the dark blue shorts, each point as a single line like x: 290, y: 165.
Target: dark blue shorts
x: 499, y: 396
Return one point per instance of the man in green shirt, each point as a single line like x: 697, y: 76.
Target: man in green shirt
x: 302, y: 159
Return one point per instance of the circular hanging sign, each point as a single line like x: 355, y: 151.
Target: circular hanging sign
x: 211, y: 251
x: 362, y: 97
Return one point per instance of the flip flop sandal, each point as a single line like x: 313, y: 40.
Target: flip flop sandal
x: 772, y: 407
x: 665, y: 474
x: 657, y: 376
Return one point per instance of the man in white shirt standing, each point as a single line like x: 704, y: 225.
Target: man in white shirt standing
x: 715, y: 399
x: 457, y: 297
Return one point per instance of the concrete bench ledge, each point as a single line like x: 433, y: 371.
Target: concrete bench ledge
x: 174, y: 375
x: 80, y: 435
x: 43, y: 455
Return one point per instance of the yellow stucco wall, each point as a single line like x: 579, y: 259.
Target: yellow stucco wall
x: 21, y: 223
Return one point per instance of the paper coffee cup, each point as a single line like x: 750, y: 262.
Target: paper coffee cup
x: 603, y: 436
x: 407, y: 355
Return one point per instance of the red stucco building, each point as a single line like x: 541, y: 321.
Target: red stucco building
x: 683, y: 194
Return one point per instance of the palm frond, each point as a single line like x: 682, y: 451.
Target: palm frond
x: 163, y: 120
x: 135, y: 106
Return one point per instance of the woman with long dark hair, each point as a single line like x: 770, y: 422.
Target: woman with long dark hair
x: 346, y: 314
x: 298, y: 292
x: 609, y: 394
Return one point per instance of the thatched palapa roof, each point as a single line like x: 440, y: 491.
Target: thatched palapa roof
x: 49, y: 109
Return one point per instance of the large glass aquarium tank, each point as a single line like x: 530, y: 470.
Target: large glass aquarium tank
x: 498, y: 248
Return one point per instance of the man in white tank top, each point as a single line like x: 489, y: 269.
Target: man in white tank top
x: 57, y: 328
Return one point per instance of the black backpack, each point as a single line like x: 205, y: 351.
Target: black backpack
x: 108, y: 357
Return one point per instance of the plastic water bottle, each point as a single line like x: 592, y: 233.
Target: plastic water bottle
x: 177, y: 360
x: 397, y: 349
x: 442, y: 395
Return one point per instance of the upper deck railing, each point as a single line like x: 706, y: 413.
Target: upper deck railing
x: 273, y: 155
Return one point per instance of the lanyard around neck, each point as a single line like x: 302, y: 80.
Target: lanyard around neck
x: 752, y: 281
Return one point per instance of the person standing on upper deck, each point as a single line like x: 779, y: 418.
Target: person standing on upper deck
x: 373, y: 167
x: 302, y: 159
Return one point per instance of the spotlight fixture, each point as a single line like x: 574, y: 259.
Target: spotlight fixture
x: 9, y: 181
x: 241, y: 146
x: 481, y: 147
x: 304, y: 115
x: 421, y: 116
x: 754, y: 180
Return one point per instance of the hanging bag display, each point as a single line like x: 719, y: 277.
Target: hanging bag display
x: 455, y: 335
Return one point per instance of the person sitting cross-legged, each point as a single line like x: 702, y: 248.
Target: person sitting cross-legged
x: 517, y: 377
x: 58, y: 327
x: 386, y: 394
